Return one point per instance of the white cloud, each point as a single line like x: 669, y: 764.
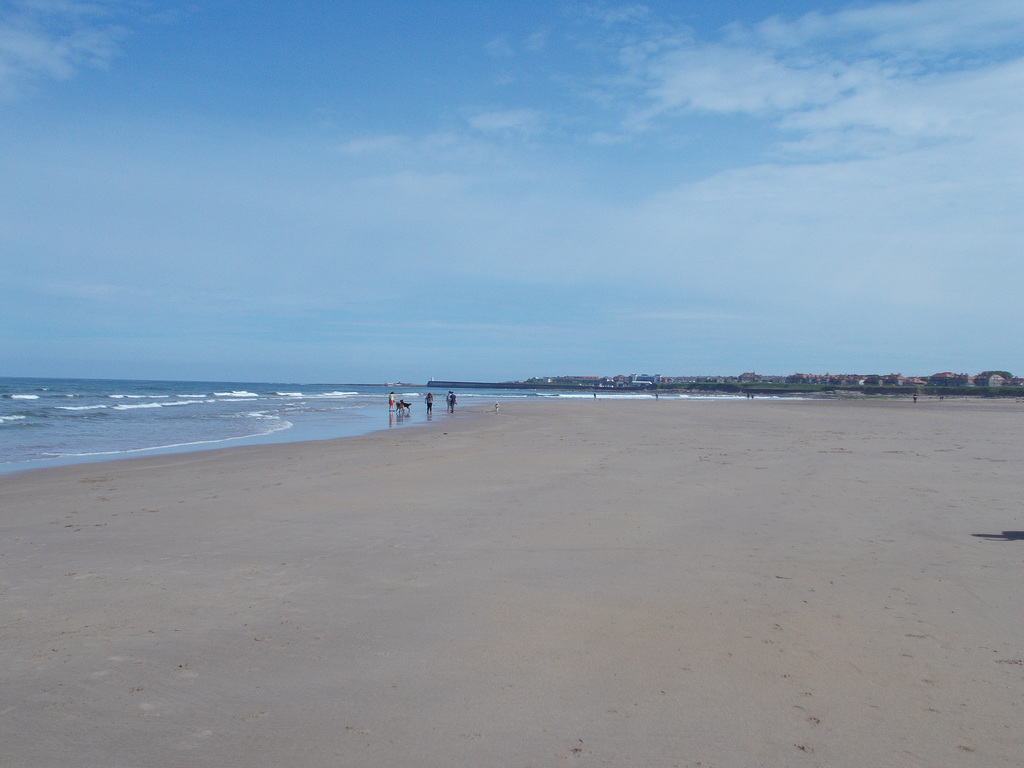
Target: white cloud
x: 499, y: 48
x: 717, y: 78
x: 86, y: 290
x: 923, y: 28
x: 373, y: 145
x: 895, y: 114
x: 538, y: 41
x: 53, y: 40
x: 611, y: 15
x: 885, y: 78
x: 524, y: 122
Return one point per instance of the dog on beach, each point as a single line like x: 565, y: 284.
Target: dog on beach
x: 401, y: 404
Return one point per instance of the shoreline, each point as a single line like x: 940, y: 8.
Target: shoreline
x: 305, y: 432
x: 286, y: 436
x: 635, y: 583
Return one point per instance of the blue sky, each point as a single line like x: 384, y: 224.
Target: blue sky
x: 382, y: 191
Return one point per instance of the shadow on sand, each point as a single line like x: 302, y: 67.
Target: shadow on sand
x: 1004, y: 536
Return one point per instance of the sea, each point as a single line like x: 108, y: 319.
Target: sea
x: 47, y: 422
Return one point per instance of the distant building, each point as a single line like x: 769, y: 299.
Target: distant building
x: 989, y: 380
x: 801, y: 378
x: 948, y: 379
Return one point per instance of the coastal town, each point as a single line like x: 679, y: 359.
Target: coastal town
x: 987, y: 383
x: 944, y: 379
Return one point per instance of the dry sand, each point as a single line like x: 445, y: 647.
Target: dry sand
x: 641, y: 583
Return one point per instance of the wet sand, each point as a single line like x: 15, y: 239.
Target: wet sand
x: 639, y: 583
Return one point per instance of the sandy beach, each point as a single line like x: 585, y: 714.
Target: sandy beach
x: 720, y: 584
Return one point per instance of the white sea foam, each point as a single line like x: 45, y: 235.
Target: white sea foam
x: 279, y: 427
x: 590, y: 395
x: 5, y: 419
x: 136, y: 407
x: 238, y: 394
x: 502, y: 396
x: 24, y: 397
x: 613, y: 395
x: 81, y: 407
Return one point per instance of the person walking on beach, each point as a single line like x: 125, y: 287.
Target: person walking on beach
x: 430, y: 403
x: 451, y: 401
x: 391, y: 401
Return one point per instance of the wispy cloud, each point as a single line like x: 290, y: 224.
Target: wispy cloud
x: 92, y: 291
x: 881, y: 78
x: 924, y: 29
x: 520, y: 122
x: 52, y: 40
x: 499, y: 48
x: 610, y: 15
x: 375, y: 145
x: 538, y: 41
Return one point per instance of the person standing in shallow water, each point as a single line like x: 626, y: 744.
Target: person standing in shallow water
x: 391, y: 401
x: 451, y: 401
x: 430, y: 403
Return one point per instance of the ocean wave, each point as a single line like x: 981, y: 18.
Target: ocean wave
x: 338, y: 395
x: 238, y: 394
x: 24, y: 397
x: 719, y: 397
x: 81, y: 407
x: 600, y: 395
x: 137, y: 407
x: 260, y: 415
x: 503, y: 396
x: 5, y: 419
